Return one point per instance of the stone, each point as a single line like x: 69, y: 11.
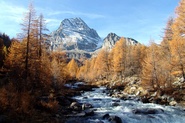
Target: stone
x: 116, y: 100
x: 154, y: 94
x: 115, y: 104
x: 132, y: 89
x: 173, y: 103
x: 85, y: 97
x: 124, y: 97
x: 86, y: 106
x: 147, y: 111
x: 115, y: 119
x: 94, y: 121
x: 89, y: 112
x: 97, y: 99
x: 183, y: 98
x: 137, y: 93
x: 112, y: 119
x: 75, y: 106
x: 106, y: 116
x: 145, y: 100
x: 81, y: 114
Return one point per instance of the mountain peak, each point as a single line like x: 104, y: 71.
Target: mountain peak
x: 110, y: 41
x: 74, y: 23
x: 75, y: 34
x: 112, y: 38
x: 111, y: 34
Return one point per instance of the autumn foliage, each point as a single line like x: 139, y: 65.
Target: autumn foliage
x: 122, y: 61
x: 31, y: 71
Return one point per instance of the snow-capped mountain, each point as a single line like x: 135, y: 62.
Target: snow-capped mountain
x: 80, y: 41
x: 112, y: 38
x: 74, y: 34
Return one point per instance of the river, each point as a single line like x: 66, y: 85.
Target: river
x: 129, y: 111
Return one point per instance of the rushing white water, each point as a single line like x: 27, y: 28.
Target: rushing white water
x: 129, y: 111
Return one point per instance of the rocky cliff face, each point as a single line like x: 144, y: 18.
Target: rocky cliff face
x: 110, y: 41
x: 74, y: 34
x: 112, y: 38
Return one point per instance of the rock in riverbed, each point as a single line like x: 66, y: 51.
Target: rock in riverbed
x: 86, y: 106
x: 75, y: 106
x: 112, y: 119
x: 147, y: 111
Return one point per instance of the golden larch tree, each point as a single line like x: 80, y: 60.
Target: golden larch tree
x: 178, y: 26
x: 102, y: 64
x: 119, y: 57
x: 72, y: 67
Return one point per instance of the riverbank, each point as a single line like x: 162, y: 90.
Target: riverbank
x: 131, y: 86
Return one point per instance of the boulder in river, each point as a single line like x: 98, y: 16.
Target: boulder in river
x: 147, y: 111
x: 86, y: 106
x: 112, y: 119
x: 106, y: 116
x: 173, y: 103
x: 75, y: 106
x: 115, y: 119
x: 89, y: 112
x: 115, y: 104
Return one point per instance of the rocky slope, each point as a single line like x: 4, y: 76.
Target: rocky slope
x: 110, y: 41
x: 112, y: 38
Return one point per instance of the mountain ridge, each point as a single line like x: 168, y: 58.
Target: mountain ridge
x: 78, y: 40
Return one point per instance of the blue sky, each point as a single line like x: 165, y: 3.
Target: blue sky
x: 139, y: 19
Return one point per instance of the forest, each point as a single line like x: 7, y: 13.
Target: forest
x: 29, y: 71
